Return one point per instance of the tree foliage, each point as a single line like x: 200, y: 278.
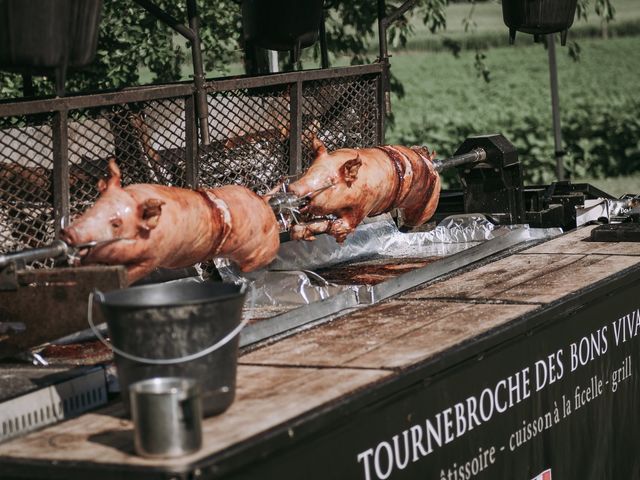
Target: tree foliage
x: 132, y: 40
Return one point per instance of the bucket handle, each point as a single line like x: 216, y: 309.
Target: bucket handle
x: 159, y: 361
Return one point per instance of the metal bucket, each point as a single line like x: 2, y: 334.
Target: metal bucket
x: 538, y: 16
x: 167, y: 417
x: 183, y: 329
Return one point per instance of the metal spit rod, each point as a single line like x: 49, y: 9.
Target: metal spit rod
x: 56, y: 249
x: 279, y: 203
x: 476, y: 155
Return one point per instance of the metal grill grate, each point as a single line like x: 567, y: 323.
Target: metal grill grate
x: 147, y: 141
x: 341, y: 112
x: 151, y: 133
x: 249, y: 130
x: 26, y: 197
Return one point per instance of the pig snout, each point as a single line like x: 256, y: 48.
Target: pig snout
x: 69, y: 236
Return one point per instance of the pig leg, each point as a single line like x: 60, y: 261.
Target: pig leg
x: 346, y: 223
x: 307, y: 231
x: 340, y: 228
x: 138, y: 270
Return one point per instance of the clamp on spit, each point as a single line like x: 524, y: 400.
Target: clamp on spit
x: 288, y: 207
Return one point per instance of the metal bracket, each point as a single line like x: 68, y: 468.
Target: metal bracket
x: 191, y: 33
x: 8, y: 277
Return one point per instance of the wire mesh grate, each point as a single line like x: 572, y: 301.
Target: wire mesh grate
x: 26, y: 192
x: 146, y: 140
x: 342, y: 112
x: 250, y: 129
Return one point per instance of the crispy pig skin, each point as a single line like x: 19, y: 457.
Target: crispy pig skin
x: 366, y: 182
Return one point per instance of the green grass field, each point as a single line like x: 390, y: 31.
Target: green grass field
x: 487, y: 20
x: 445, y: 100
x: 438, y: 85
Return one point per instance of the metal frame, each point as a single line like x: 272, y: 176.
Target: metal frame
x: 195, y: 149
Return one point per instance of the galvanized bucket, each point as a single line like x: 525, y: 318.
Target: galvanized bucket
x: 187, y: 330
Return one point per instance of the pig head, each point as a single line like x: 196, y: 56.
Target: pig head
x: 351, y: 184
x: 118, y: 216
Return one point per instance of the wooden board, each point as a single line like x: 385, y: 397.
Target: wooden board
x: 394, y: 334
x: 490, y: 281
x: 266, y: 397
x: 578, y: 242
x: 53, y: 303
x: 527, y: 278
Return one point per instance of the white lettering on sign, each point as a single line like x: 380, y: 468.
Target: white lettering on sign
x: 445, y: 426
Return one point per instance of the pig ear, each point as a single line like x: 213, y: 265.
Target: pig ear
x: 349, y: 170
x: 150, y: 211
x: 318, y: 147
x: 114, y: 172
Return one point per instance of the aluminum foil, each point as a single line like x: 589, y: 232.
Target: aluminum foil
x: 289, y: 280
x: 383, y: 239
x: 604, y: 208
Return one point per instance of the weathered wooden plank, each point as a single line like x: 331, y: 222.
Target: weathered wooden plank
x: 441, y: 334
x: 530, y: 278
x: 489, y: 281
x: 52, y: 303
x: 343, y: 340
x: 559, y: 283
x: 578, y: 242
x: 266, y: 397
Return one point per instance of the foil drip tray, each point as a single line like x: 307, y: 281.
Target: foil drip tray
x: 314, y: 282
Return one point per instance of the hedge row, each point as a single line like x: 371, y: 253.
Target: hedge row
x: 601, y: 140
x: 491, y: 39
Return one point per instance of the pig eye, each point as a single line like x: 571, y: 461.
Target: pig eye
x: 116, y: 222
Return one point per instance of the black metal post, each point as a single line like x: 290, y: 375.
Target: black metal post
x: 555, y: 107
x: 295, y: 134
x: 191, y: 143
x: 27, y: 85
x: 192, y: 35
x: 383, y: 58
x: 60, y: 170
x: 61, y: 77
x: 384, y: 21
x: 198, y: 73
x: 324, y: 53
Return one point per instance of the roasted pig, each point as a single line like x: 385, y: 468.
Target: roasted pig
x: 145, y: 226
x: 347, y: 185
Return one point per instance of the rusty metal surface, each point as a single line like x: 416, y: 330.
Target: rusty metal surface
x: 81, y: 353
x: 373, y: 272
x: 50, y: 304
